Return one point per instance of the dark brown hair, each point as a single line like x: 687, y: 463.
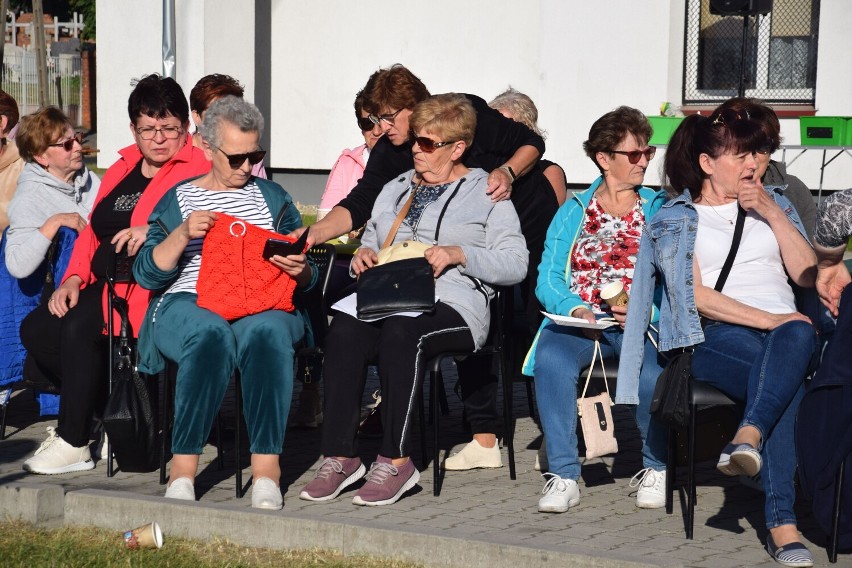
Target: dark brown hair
x: 39, y: 130
x: 9, y: 109
x: 157, y: 97
x: 393, y: 89
x: 724, y: 131
x: 613, y: 127
x: 762, y: 114
x: 212, y: 87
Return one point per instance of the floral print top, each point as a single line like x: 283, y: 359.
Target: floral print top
x: 424, y: 196
x: 605, y: 250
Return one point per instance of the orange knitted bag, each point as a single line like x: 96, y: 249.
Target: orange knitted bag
x: 235, y: 280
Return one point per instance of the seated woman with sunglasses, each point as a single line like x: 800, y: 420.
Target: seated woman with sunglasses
x: 477, y: 245
x: 65, y: 336
x: 754, y: 345
x: 54, y: 197
x: 592, y: 241
x: 207, y: 347
x: 206, y: 91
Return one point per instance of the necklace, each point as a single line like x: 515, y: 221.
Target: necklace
x: 730, y: 221
x: 618, y: 214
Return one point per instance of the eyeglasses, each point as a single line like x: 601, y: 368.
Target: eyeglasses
x: 427, y: 145
x: 68, y: 145
x: 365, y: 123
x: 765, y: 150
x: 168, y: 132
x: 728, y: 116
x: 633, y: 156
x: 389, y: 118
x: 237, y: 160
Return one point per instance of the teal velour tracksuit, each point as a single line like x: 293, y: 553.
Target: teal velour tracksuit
x: 208, y: 349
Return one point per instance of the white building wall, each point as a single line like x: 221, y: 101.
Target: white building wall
x: 577, y: 60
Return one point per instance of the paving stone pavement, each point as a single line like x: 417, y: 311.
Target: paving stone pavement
x: 483, y: 507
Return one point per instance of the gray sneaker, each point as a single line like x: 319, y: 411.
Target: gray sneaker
x: 386, y: 483
x: 332, y: 477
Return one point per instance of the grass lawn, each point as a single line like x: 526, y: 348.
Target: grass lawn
x: 23, y: 545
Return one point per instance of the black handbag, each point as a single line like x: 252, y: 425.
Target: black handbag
x: 671, y: 393
x: 130, y: 418
x: 399, y: 286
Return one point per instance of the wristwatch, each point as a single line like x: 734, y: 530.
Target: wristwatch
x: 510, y: 171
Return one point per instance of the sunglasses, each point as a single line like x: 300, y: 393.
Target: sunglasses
x: 237, y: 160
x: 365, y: 123
x: 389, y: 118
x: 68, y: 145
x: 427, y: 145
x: 728, y: 116
x: 633, y: 156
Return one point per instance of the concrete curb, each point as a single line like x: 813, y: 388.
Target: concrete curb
x: 41, y: 505
x: 280, y: 530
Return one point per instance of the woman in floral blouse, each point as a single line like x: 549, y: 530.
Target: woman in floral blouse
x: 592, y: 241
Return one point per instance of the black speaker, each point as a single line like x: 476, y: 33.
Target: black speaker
x: 740, y: 7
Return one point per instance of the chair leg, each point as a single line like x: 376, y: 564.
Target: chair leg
x: 165, y: 421
x: 435, y: 377
x: 421, y: 411
x: 531, y: 399
x: 442, y: 399
x: 671, y: 468
x: 3, y: 420
x: 508, y: 422
x: 237, y: 450
x: 835, y: 518
x: 690, y: 456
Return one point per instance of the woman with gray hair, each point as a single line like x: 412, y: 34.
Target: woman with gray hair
x: 207, y: 347
x: 514, y: 104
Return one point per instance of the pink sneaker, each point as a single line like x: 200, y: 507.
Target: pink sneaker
x: 386, y: 483
x: 332, y: 477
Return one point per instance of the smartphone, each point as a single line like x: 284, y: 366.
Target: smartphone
x: 281, y: 247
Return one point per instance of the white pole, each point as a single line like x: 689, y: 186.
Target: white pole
x: 55, y: 28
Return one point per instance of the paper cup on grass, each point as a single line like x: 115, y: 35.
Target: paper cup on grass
x: 146, y: 536
x: 614, y: 294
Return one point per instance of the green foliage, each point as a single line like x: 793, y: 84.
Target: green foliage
x: 87, y: 9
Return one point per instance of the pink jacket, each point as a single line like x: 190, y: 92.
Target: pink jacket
x: 344, y: 176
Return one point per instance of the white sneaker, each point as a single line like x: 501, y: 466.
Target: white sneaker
x: 265, y: 494
x: 652, y: 488
x: 473, y: 456
x: 182, y: 489
x: 55, y: 455
x: 559, y: 494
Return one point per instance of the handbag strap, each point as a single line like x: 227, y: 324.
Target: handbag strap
x: 735, y: 244
x: 597, y: 356
x: 444, y: 210
x: 402, y: 213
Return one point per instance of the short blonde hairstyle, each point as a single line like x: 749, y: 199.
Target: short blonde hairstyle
x: 450, y: 116
x: 520, y: 106
x: 39, y: 130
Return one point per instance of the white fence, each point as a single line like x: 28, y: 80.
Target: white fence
x: 64, y: 78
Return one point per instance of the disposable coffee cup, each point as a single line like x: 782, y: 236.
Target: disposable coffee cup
x: 322, y: 212
x: 146, y: 536
x: 614, y: 294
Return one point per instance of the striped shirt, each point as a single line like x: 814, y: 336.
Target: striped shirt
x: 246, y: 203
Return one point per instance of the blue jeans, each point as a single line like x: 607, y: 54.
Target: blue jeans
x: 766, y: 371
x: 561, y: 354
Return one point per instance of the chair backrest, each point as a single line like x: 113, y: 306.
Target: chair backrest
x: 322, y: 255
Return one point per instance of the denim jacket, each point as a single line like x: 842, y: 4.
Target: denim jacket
x: 667, y: 247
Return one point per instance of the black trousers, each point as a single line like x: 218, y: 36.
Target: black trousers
x: 400, y: 346
x: 72, y: 352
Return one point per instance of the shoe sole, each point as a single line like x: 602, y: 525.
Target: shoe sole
x: 651, y: 504
x: 80, y: 466
x: 741, y: 463
x: 356, y: 475
x: 269, y: 506
x: 555, y: 509
x: 478, y: 465
x: 412, y: 481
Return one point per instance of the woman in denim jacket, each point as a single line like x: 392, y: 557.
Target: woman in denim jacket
x: 755, y: 346
x: 592, y: 241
